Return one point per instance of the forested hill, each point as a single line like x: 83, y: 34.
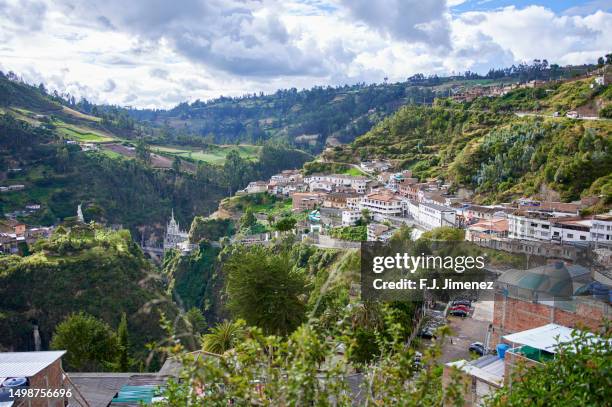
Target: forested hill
x: 311, y: 117
x: 485, y: 146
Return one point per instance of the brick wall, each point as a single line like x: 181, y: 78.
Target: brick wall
x: 512, y: 315
x: 48, y: 378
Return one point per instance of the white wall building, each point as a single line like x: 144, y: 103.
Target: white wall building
x: 382, y: 203
x: 350, y: 217
x: 329, y: 181
x: 434, y: 216
x: 601, y: 228
x: 529, y: 226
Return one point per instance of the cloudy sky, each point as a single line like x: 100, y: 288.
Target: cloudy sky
x: 157, y: 53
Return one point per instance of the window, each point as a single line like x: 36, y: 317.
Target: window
x: 582, y: 237
x: 570, y: 236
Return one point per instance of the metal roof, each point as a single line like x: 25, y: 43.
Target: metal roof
x: 546, y: 337
x: 26, y: 364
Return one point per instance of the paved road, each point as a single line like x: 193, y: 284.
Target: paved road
x: 466, y: 331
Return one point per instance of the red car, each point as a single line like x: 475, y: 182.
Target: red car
x: 460, y: 308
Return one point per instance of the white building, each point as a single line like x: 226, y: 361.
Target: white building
x: 256, y: 187
x: 382, y: 203
x: 434, y: 216
x: 175, y: 237
x: 379, y: 233
x: 571, y: 230
x: 350, y: 217
x: 328, y: 182
x: 529, y: 225
x: 601, y: 228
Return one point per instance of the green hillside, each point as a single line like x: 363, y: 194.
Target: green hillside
x: 89, y: 269
x: 497, y: 154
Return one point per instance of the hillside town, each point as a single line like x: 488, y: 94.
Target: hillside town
x: 392, y: 199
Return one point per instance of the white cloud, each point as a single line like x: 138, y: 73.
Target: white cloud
x: 156, y: 53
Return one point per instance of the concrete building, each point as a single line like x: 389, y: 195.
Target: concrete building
x: 530, y: 225
x: 306, y: 200
x: 383, y: 203
x: 378, y: 232
x: 433, y: 216
x: 256, y: 187
x: 350, y: 217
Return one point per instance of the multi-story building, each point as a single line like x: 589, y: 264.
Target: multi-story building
x: 379, y: 233
x: 601, y: 228
x: 382, y: 203
x: 433, y: 215
x: 530, y: 225
x: 306, y: 200
x: 329, y: 182
x: 338, y: 199
x: 350, y: 217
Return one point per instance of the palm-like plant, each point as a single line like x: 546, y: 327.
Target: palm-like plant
x: 224, y: 336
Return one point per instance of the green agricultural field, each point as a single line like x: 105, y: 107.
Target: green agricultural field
x: 82, y: 134
x: 214, y: 154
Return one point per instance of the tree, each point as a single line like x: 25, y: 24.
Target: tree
x: 601, y: 61
x: 286, y: 224
x: 196, y: 320
x: 578, y: 375
x: 265, y: 290
x: 142, y: 151
x: 90, y: 344
x: 365, y: 216
x: 224, y: 336
x: 176, y: 164
x: 248, y: 219
x: 123, y: 364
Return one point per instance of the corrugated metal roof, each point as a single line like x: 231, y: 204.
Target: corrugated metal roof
x: 26, y: 364
x: 546, y: 337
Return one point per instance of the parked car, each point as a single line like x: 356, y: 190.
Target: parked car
x: 460, y: 307
x: 467, y: 303
x: 477, y: 347
x: 459, y: 313
x: 428, y: 333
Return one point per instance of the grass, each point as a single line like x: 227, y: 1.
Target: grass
x: 213, y: 155
x: 354, y: 171
x: 82, y: 134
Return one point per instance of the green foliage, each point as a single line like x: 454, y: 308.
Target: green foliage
x: 90, y: 344
x: 578, y: 375
x: 224, y: 336
x: 444, y: 233
x: 123, y: 364
x: 98, y: 271
x: 248, y: 219
x: 196, y: 320
x: 209, y: 229
x: 265, y: 289
x: 500, y: 156
x: 352, y: 233
x: 193, y: 280
x: 285, y: 224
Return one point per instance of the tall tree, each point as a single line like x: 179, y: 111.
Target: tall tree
x: 265, y: 289
x: 90, y: 343
x: 123, y: 339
